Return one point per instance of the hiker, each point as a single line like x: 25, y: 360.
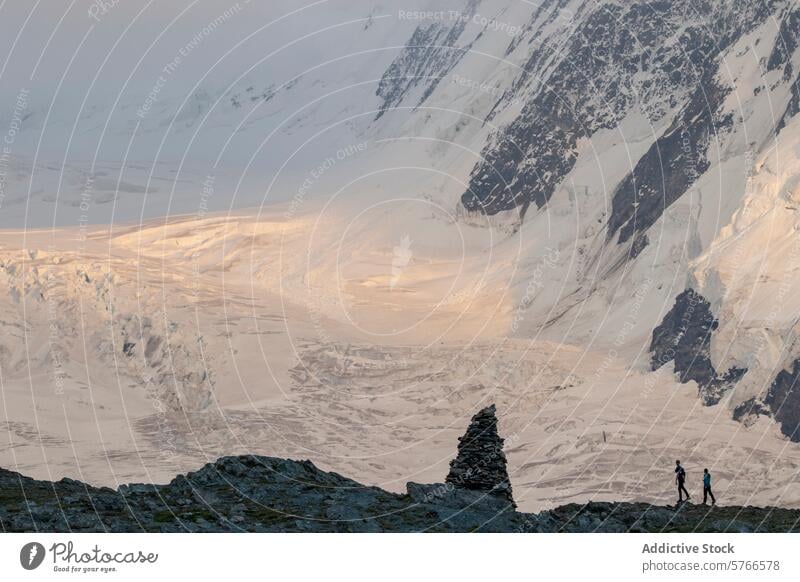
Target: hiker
x: 680, y: 479
x: 707, y: 488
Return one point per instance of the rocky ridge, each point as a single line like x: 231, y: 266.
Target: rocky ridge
x: 264, y: 494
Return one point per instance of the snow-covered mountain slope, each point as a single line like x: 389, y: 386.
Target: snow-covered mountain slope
x: 319, y: 219
x: 127, y: 114
x: 146, y: 348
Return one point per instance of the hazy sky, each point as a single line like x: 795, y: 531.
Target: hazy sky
x: 78, y: 79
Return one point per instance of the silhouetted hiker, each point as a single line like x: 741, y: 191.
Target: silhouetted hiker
x: 707, y: 488
x: 680, y: 479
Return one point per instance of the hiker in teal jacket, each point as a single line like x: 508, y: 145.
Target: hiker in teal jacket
x: 707, y: 488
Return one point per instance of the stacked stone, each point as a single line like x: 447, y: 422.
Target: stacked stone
x: 481, y: 463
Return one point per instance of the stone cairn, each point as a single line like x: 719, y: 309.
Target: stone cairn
x: 481, y: 463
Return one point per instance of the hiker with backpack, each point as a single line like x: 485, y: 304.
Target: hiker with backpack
x: 680, y: 479
x: 707, y: 488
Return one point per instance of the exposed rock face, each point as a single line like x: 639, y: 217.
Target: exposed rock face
x: 429, y: 56
x: 481, y: 462
x: 659, y: 59
x: 684, y: 337
x: 780, y: 58
x: 783, y: 399
x: 671, y: 165
x: 748, y: 411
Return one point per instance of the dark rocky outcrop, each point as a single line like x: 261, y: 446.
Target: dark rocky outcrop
x: 481, y: 463
x: 684, y: 337
x: 689, y: 518
x: 263, y: 494
x: 748, y: 411
x: 783, y: 399
x: 793, y: 107
x: 786, y: 40
x: 672, y: 164
x: 427, y: 58
x: 659, y: 59
x: 245, y: 493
